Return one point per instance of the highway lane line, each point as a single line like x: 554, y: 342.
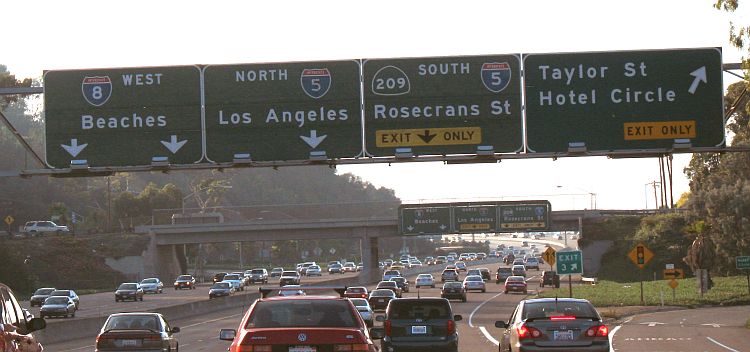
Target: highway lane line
x: 488, y: 336
x: 611, y: 335
x: 722, y: 345
x: 212, y: 320
x: 471, y: 316
x: 80, y: 348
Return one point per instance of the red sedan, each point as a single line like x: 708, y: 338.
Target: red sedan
x: 516, y: 284
x: 301, y: 323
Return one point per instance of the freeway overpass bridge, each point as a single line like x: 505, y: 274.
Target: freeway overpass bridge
x: 367, y: 222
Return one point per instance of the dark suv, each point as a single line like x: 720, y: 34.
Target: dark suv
x: 16, y: 334
x: 550, y: 278
x: 419, y: 323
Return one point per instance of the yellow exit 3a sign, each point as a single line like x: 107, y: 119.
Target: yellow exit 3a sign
x: 420, y: 137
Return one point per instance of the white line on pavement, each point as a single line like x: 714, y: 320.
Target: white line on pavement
x: 480, y: 306
x: 488, y: 336
x: 80, y: 348
x: 722, y: 345
x: 211, y: 321
x: 611, y: 335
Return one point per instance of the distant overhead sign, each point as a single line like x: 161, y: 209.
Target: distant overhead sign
x: 624, y: 100
x: 491, y: 217
x: 443, y: 105
x: 283, y: 111
x: 123, y: 117
x: 428, y: 219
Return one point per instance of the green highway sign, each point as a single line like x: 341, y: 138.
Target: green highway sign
x: 443, y: 105
x: 283, y: 111
x: 123, y: 117
x: 624, y: 100
x: 425, y: 220
x: 475, y: 218
x: 527, y: 215
x: 569, y: 262
x: 742, y: 262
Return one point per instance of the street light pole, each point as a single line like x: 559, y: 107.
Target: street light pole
x: 592, y: 195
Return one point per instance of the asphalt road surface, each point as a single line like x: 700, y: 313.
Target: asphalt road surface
x: 707, y: 329
x: 103, y: 304
x: 476, y: 331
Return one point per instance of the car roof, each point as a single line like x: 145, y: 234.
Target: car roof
x: 562, y: 299
x: 135, y: 313
x: 302, y: 298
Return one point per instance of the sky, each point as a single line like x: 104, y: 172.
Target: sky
x: 56, y: 35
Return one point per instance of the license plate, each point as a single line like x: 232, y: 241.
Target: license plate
x: 563, y: 335
x: 419, y: 329
x: 302, y: 349
x: 128, y: 343
x: 381, y: 300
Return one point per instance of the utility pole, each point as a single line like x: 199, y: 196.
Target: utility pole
x: 109, y: 205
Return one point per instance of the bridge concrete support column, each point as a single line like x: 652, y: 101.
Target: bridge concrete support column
x: 162, y: 261
x: 371, y: 271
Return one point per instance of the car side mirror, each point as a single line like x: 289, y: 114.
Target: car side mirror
x: 175, y: 330
x: 458, y: 317
x: 377, y: 333
x: 380, y: 318
x: 501, y: 324
x: 227, y: 334
x: 35, y: 324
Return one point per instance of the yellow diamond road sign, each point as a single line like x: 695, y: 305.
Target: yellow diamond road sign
x: 549, y: 256
x: 9, y: 219
x: 640, y: 255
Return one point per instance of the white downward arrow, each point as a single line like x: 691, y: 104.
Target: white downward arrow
x: 443, y: 227
x: 173, y: 145
x: 700, y: 76
x: 410, y: 228
x: 313, y: 141
x: 74, y: 149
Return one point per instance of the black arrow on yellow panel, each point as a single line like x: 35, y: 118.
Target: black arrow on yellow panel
x: 427, y: 137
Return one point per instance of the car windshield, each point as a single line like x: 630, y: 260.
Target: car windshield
x: 44, y: 291
x: 302, y: 313
x: 60, y: 293
x: 536, y: 310
x: 132, y: 322
x: 231, y: 277
x: 516, y: 279
x: 149, y: 281
x: 392, y: 272
x: 221, y: 285
x: 424, y: 276
x: 387, y: 284
x: 289, y: 273
x: 184, y: 277
x: 128, y: 287
x: 423, y: 309
x: 257, y: 271
x: 278, y: 269
x: 56, y: 300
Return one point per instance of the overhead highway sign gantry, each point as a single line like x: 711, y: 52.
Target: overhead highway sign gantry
x: 283, y: 111
x: 443, y: 105
x: 123, y: 117
x: 624, y: 100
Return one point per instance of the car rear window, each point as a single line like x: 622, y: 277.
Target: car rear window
x: 56, y: 300
x: 302, y: 313
x: 231, y: 277
x: 128, y: 287
x: 356, y: 289
x: 149, y: 281
x: 60, y: 293
x: 184, y: 277
x: 422, y: 309
x: 454, y: 284
x: 382, y: 293
x: 538, y: 310
x: 289, y: 273
x: 132, y: 322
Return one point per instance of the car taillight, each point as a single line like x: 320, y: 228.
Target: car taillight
x: 387, y: 327
x: 598, y: 330
x: 451, y: 328
x: 527, y: 332
x: 352, y: 347
x: 255, y: 348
